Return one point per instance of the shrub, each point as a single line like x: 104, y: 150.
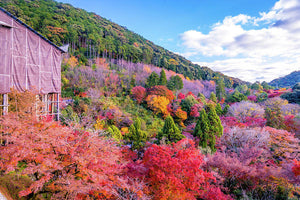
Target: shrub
x: 161, y: 90
x: 139, y: 93
x: 245, y: 109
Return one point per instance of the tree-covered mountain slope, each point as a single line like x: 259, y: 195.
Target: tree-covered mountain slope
x: 91, y: 35
x: 287, y: 81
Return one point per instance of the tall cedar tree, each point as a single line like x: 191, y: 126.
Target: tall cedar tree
x: 170, y: 132
x: 215, y: 126
x: 202, y: 129
x: 220, y: 89
x: 175, y: 83
x: 152, y: 80
x: 214, y: 120
x: 163, y: 78
x: 213, y: 97
x: 137, y: 136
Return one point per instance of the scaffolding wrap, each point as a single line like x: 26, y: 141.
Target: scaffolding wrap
x: 27, y: 60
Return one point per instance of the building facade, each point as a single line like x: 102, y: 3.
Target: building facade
x: 28, y: 61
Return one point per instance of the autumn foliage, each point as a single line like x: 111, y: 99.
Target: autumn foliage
x: 55, y: 157
x: 139, y: 93
x: 296, y: 168
x: 158, y: 104
x: 161, y: 90
x: 175, y: 172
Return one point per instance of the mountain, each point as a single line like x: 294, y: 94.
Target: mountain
x: 287, y: 81
x: 91, y: 35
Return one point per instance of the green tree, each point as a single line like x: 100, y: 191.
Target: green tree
x: 188, y: 102
x: 215, y: 126
x: 242, y: 88
x: 248, y: 92
x: 202, y: 97
x: 152, y: 80
x: 293, y: 97
x: 208, y: 127
x: 214, y: 120
x: 225, y: 110
x: 236, y: 96
x: 170, y: 132
x: 220, y: 89
x: 202, y: 129
x: 115, y: 133
x: 163, y: 78
x: 213, y: 97
x: 219, y: 109
x: 262, y: 97
x: 266, y: 86
x: 137, y: 136
x: 175, y: 83
x: 256, y: 86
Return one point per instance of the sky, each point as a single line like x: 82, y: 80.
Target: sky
x: 253, y: 40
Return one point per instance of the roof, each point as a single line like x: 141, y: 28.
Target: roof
x: 21, y: 22
x: 5, y: 24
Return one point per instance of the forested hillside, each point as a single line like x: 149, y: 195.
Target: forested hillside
x: 91, y: 35
x: 129, y: 129
x: 287, y: 81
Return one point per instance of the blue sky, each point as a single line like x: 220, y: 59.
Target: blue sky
x: 249, y: 39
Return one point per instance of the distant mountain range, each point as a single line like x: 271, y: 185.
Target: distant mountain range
x: 287, y: 81
x: 91, y: 35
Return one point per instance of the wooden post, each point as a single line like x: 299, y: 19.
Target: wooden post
x: 5, y: 104
x: 57, y: 108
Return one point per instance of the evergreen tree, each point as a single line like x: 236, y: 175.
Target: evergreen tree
x: 202, y: 97
x: 236, y: 96
x: 202, y: 129
x: 215, y: 123
x: 218, y: 109
x: 213, y: 97
x: 163, y: 78
x: 170, y: 132
x: 175, y: 83
x: 137, y: 136
x: 265, y: 85
x: 220, y: 89
x: 248, y: 92
x: 225, y: 110
x: 152, y: 80
x: 256, y: 86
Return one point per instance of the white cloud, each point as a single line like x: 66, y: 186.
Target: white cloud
x: 271, y: 45
x: 253, y: 69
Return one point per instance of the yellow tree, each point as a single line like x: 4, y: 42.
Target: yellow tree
x: 158, y: 104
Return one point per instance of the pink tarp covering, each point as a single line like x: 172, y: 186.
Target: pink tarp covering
x: 27, y: 61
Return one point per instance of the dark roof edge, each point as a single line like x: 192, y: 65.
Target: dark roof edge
x: 18, y: 20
